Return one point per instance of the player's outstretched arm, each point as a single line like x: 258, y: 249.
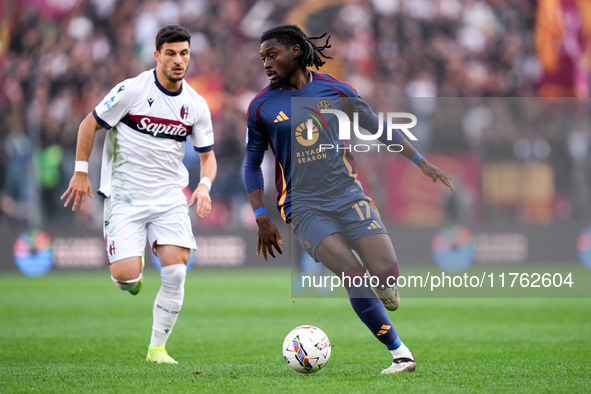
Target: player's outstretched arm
x: 79, y: 184
x: 268, y: 237
x: 427, y: 168
x: 209, y: 170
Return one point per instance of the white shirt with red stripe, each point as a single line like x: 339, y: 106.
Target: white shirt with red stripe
x: 147, y: 130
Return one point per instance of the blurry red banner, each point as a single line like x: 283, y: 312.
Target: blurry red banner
x: 413, y: 198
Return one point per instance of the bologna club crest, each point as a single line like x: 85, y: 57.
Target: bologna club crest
x: 184, y: 111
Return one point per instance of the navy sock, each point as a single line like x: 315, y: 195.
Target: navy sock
x: 395, y: 345
x: 370, y: 310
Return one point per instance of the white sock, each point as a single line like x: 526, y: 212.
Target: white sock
x: 402, y: 352
x: 168, y: 302
x: 126, y: 284
x: 158, y: 338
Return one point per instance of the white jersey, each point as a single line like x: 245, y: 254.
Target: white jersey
x: 147, y: 130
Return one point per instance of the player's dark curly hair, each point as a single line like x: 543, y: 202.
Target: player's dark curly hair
x: 172, y: 33
x: 290, y: 35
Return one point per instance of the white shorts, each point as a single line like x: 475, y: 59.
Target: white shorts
x: 126, y: 227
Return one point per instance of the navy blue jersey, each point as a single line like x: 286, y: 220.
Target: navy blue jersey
x: 304, y: 171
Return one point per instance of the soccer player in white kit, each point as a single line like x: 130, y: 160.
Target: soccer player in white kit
x: 149, y: 118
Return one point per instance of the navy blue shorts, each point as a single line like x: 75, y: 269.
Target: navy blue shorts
x: 349, y: 212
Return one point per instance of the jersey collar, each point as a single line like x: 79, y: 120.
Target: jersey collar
x: 163, y: 90
x: 301, y: 91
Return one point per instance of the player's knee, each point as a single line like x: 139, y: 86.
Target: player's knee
x: 126, y: 273
x: 174, y: 273
x: 127, y: 269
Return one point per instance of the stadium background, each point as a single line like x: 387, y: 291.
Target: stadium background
x: 520, y: 164
x: 524, y: 179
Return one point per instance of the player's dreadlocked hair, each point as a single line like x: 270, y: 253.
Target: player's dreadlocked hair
x: 290, y: 35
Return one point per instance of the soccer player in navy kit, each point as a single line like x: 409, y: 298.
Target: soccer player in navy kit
x: 318, y: 191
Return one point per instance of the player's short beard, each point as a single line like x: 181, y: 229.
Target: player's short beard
x: 277, y: 84
x: 291, y: 68
x: 169, y: 76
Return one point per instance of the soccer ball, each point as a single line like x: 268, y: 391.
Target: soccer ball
x: 306, y: 349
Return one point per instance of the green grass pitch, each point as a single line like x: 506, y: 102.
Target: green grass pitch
x: 75, y: 332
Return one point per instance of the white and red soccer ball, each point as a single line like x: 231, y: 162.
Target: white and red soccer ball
x: 306, y: 349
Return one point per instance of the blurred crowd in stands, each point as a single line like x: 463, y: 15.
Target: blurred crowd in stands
x: 59, y: 59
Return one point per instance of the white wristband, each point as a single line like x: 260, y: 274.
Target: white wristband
x: 81, y: 166
x: 206, y: 181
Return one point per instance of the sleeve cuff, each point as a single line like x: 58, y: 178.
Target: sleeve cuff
x: 204, y: 149
x: 104, y: 124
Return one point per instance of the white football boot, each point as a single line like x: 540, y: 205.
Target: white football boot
x: 400, y: 365
x: 389, y: 297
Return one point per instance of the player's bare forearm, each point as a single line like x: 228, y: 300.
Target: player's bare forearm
x: 85, y: 141
x: 80, y: 186
x: 201, y: 194
x: 408, y: 150
x: 268, y: 238
x: 209, y: 165
x: 256, y: 198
